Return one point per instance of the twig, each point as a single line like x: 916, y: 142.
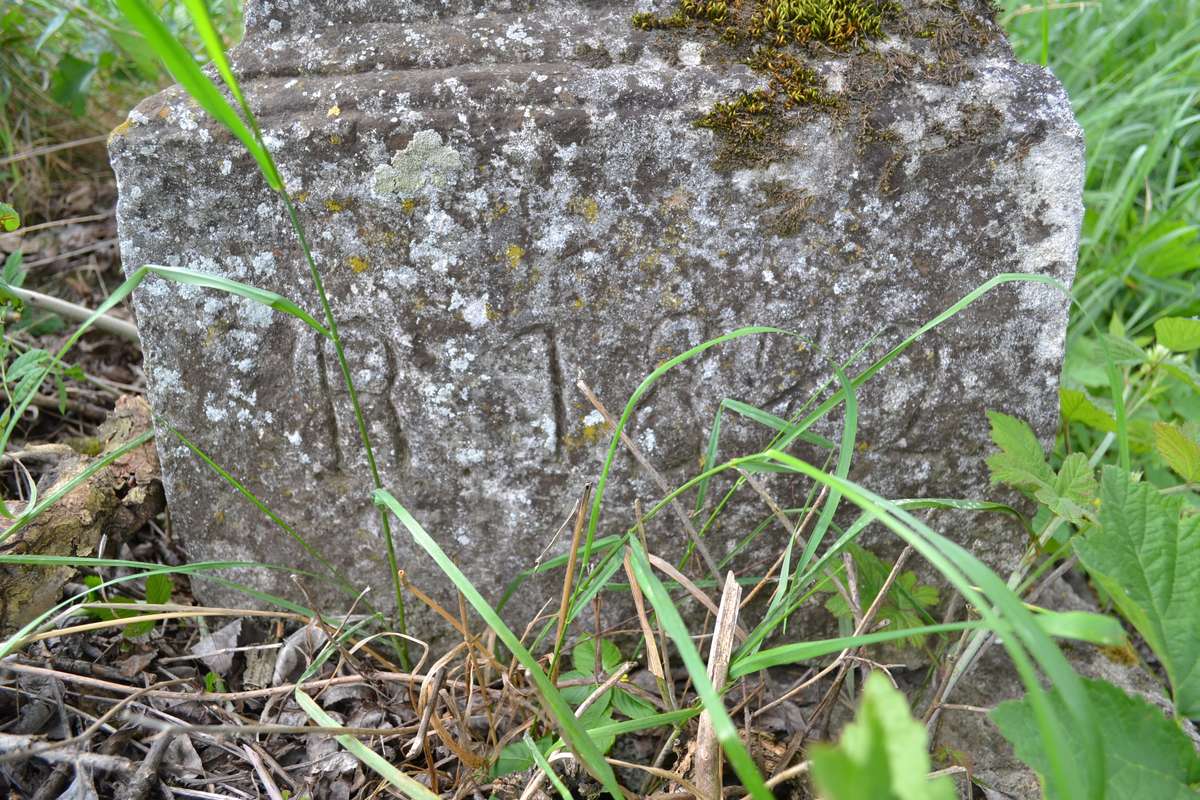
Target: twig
x: 264, y: 776
x: 826, y: 703
x: 51, y: 148
x: 55, y: 223
x: 707, y: 760
x: 96, y: 761
x: 138, y: 787
x: 431, y: 701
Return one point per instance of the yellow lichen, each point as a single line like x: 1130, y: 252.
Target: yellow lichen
x: 335, y: 138
x: 585, y: 207
x: 513, y: 254
x: 334, y: 206
x: 120, y: 130
x: 358, y: 264
x: 408, y: 206
x: 334, y: 111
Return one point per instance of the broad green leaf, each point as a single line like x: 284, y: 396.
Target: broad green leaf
x: 1146, y: 754
x: 1074, y: 489
x: 158, y: 588
x: 577, y: 694
x: 882, y: 755
x: 583, y: 657
x: 1180, y: 451
x: 1178, y: 333
x: 1021, y: 462
x: 631, y: 705
x: 10, y: 220
x: 1076, y: 406
x: 1121, y: 350
x: 1147, y: 558
x: 70, y: 82
x: 515, y: 757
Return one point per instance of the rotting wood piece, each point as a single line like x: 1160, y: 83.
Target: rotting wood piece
x: 117, y: 499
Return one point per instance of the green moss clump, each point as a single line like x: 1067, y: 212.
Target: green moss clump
x: 833, y: 22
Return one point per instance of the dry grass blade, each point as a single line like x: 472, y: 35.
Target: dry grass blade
x: 568, y: 580
x: 653, y: 659
x: 667, y: 568
x: 708, y: 750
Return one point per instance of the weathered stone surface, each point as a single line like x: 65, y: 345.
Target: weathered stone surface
x: 507, y: 195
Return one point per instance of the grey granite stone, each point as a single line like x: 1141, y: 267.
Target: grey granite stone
x: 505, y: 196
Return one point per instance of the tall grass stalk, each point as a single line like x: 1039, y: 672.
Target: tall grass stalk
x: 185, y: 70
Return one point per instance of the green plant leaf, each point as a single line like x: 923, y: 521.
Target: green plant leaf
x: 159, y: 588
x: 1178, y: 333
x: 187, y: 72
x: 1180, y: 451
x: 70, y: 82
x: 515, y: 757
x: 882, y: 755
x: 1147, y: 755
x: 631, y: 705
x: 1083, y: 626
x: 906, y: 602
x: 1076, y: 406
x: 1074, y: 489
x: 1147, y: 558
x: 583, y: 657
x: 714, y: 704
x: 10, y: 220
x: 1021, y: 463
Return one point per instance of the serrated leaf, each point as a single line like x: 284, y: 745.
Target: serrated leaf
x: 1073, y: 490
x: 882, y: 755
x: 1180, y: 451
x: 1180, y: 334
x: 903, y: 606
x: 1147, y: 558
x: 632, y: 706
x: 1123, y: 351
x: 1146, y: 754
x: 1020, y: 462
x: 1076, y: 406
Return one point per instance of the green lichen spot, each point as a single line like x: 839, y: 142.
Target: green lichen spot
x: 334, y: 206
x: 358, y: 264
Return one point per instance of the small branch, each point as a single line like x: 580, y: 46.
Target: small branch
x: 77, y: 313
x: 708, y: 750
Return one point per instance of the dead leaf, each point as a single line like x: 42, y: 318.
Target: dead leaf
x: 213, y: 648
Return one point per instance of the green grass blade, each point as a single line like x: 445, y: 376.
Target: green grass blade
x: 262, y: 296
x: 406, y: 785
x: 806, y: 651
x: 1004, y: 612
x: 187, y: 73
x: 668, y: 616
x: 546, y: 769
x: 560, y: 712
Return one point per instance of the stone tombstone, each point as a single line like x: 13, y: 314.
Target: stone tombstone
x: 505, y: 196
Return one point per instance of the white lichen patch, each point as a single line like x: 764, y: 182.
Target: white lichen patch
x: 427, y: 161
